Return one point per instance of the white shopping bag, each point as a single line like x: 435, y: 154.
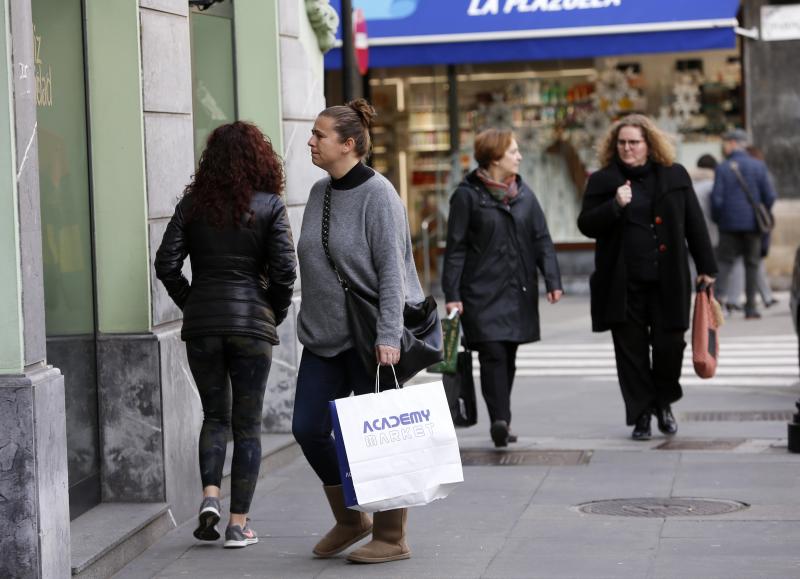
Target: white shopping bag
x: 396, y: 448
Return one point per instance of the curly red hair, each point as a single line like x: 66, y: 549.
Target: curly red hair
x: 238, y: 160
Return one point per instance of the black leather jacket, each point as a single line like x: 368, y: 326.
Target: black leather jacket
x: 242, y: 278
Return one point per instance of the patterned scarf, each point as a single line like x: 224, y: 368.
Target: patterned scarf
x: 503, y: 192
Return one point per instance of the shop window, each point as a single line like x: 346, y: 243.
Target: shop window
x: 559, y: 111
x: 213, y: 71
x: 67, y: 252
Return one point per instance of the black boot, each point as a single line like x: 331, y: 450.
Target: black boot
x: 499, y: 433
x: 666, y: 420
x: 641, y: 429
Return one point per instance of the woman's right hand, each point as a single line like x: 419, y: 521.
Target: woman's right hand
x: 624, y: 194
x: 450, y: 306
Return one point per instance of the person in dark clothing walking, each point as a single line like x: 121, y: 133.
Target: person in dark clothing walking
x: 497, y: 237
x: 233, y: 226
x: 644, y: 215
x: 732, y: 210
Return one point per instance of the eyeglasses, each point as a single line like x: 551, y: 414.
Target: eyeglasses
x: 633, y: 143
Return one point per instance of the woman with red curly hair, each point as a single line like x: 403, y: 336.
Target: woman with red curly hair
x: 232, y: 224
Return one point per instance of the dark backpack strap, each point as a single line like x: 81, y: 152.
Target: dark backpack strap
x: 735, y: 168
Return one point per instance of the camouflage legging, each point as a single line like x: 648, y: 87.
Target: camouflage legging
x: 246, y: 361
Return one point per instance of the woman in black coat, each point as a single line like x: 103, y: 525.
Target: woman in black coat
x: 233, y: 226
x: 643, y: 212
x: 497, y: 237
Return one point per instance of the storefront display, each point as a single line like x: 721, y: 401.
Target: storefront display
x: 557, y: 113
x: 557, y: 78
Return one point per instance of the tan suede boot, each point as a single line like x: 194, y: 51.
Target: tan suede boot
x: 351, y: 526
x: 388, y: 539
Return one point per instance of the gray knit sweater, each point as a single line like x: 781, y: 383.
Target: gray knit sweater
x: 370, y: 243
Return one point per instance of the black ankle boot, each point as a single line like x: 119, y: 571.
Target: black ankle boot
x: 641, y: 429
x: 666, y: 420
x: 499, y: 433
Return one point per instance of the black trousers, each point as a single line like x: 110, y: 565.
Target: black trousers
x: 498, y: 362
x: 231, y: 376
x: 649, y: 357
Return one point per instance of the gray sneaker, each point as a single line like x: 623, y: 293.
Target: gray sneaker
x: 207, y: 520
x: 236, y: 537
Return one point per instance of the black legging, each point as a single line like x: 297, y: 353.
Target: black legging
x: 246, y: 361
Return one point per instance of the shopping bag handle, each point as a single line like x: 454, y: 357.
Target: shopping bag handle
x: 377, y: 381
x: 703, y: 286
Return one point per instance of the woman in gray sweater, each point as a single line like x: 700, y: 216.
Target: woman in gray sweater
x: 370, y: 243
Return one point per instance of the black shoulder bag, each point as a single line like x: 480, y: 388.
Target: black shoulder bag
x: 764, y: 219
x: 421, y: 343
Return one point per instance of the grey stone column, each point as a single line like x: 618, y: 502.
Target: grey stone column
x: 150, y: 411
x: 772, y: 105
x: 303, y: 98
x: 772, y: 90
x: 34, y: 504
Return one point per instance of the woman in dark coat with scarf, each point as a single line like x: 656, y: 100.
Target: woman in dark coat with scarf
x: 497, y: 238
x: 643, y: 212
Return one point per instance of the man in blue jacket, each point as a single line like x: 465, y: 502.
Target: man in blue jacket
x: 733, y: 212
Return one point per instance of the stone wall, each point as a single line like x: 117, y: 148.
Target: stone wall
x: 33, y: 476
x: 302, y: 97
x: 772, y: 97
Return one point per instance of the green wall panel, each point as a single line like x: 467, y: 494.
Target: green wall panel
x: 213, y: 90
x: 258, y: 71
x: 11, y: 338
x: 118, y: 171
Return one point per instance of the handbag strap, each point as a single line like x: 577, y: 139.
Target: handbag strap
x: 326, y: 222
x: 735, y: 168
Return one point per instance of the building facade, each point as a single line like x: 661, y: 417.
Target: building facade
x: 105, y: 108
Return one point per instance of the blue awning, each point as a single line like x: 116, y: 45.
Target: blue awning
x: 425, y: 32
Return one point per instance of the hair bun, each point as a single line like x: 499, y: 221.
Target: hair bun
x: 365, y: 111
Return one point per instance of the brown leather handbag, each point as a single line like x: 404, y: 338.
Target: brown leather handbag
x: 705, y: 332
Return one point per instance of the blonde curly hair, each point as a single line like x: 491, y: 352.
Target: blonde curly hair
x: 659, y: 148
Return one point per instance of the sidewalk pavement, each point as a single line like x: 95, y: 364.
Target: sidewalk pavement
x: 522, y: 521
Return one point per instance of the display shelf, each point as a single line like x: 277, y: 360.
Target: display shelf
x: 439, y: 169
x: 426, y: 128
x: 429, y: 148
x: 429, y: 188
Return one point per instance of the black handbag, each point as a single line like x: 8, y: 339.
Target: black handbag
x: 764, y: 218
x: 460, y: 391
x: 421, y: 343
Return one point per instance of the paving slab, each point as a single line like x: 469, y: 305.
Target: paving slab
x: 522, y: 521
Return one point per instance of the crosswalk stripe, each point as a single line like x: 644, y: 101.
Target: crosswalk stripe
x: 744, y: 361
x: 601, y: 362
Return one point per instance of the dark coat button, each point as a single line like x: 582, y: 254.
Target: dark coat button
x: 662, y: 248
x: 659, y: 221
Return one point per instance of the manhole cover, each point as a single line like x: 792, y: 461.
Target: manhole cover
x: 701, y: 444
x: 661, y: 508
x: 740, y: 416
x: 480, y: 457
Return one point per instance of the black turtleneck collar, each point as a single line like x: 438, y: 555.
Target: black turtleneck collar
x: 635, y: 172
x: 356, y: 176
